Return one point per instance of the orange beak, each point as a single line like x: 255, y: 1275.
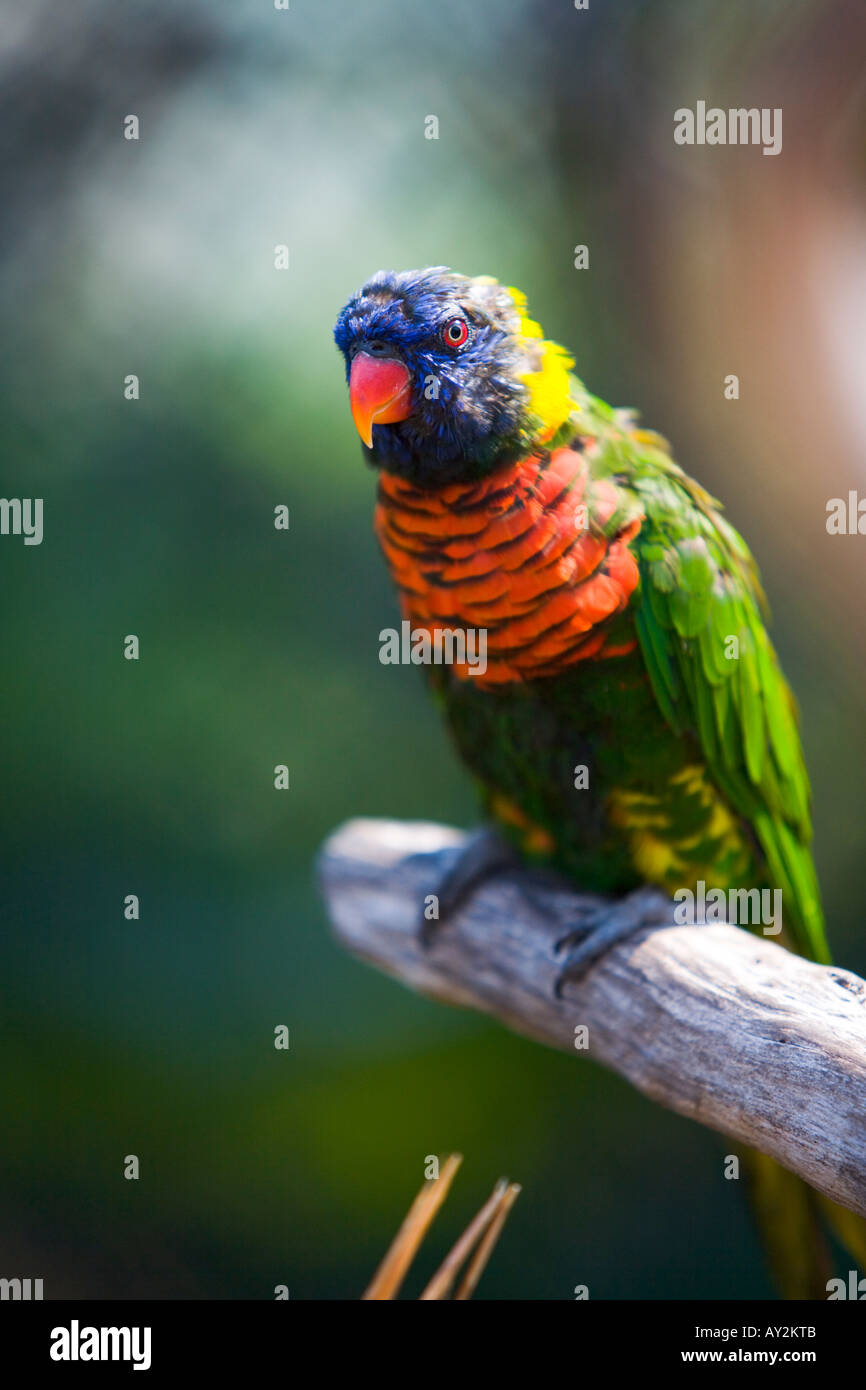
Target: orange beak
x: 380, y: 391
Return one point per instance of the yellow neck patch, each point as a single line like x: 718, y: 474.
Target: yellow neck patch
x: 549, y: 388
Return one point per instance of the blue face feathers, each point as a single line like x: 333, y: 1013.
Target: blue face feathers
x: 460, y: 340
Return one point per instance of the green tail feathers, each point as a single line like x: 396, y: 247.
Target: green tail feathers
x: 794, y: 1222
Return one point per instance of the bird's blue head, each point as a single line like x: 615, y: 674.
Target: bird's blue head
x: 448, y: 377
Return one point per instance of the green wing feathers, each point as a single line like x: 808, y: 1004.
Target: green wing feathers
x: 700, y: 621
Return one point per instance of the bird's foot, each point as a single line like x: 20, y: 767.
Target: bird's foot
x: 484, y: 852
x: 603, y: 927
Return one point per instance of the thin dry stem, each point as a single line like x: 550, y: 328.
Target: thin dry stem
x: 447, y: 1272
x: 389, y: 1276
x: 478, y: 1263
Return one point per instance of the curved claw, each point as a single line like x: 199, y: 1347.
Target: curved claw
x: 606, y: 927
x: 482, y: 853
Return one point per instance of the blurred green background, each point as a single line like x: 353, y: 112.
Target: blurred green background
x: 259, y: 647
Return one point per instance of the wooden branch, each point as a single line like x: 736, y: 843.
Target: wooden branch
x: 711, y: 1021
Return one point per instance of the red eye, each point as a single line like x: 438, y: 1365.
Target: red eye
x: 455, y: 332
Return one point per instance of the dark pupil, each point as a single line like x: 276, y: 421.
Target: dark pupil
x: 455, y: 332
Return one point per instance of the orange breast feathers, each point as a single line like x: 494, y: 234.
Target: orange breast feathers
x: 520, y: 556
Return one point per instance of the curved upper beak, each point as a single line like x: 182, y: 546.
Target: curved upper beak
x: 380, y: 391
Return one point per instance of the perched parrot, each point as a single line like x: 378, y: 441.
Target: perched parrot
x: 625, y: 633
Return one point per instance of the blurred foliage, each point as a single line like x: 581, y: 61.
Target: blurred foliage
x: 260, y: 647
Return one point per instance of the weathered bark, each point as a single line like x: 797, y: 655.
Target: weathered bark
x: 711, y: 1021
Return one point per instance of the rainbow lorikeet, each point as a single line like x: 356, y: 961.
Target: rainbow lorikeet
x: 625, y: 633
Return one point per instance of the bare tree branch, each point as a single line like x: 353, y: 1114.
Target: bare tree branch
x: 710, y: 1021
